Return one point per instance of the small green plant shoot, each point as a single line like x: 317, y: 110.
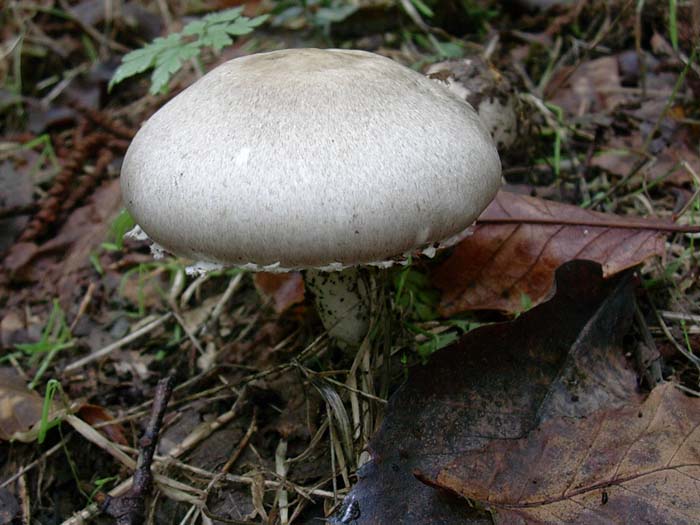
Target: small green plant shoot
x: 52, y: 387
x: 165, y: 55
x: 56, y: 334
x: 415, y: 296
x: 120, y: 225
x: 55, y: 337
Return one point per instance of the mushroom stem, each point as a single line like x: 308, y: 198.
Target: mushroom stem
x: 342, y: 301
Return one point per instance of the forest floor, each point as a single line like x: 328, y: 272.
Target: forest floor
x: 543, y: 370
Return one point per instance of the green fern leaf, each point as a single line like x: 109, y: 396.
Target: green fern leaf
x: 216, y: 37
x: 195, y: 28
x: 166, y: 55
x: 255, y: 22
x: 224, y: 16
x: 168, y: 63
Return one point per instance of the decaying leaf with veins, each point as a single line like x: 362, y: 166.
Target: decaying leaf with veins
x: 634, y: 464
x: 519, y: 242
x: 560, y: 360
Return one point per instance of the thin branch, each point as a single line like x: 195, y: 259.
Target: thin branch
x: 129, y: 508
x: 117, y: 344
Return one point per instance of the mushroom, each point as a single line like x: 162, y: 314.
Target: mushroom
x: 489, y: 92
x: 323, y: 160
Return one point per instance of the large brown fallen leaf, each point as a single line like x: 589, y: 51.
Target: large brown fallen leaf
x: 498, y: 384
x: 634, y: 464
x: 519, y: 242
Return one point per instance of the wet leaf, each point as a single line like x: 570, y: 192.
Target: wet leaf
x: 285, y: 289
x: 520, y: 241
x: 498, y: 384
x: 639, y: 463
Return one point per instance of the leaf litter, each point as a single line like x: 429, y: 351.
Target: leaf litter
x: 529, y: 412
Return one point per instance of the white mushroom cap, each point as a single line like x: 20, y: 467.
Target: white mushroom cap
x: 309, y: 158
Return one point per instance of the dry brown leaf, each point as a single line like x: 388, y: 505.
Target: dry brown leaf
x: 624, y: 152
x: 635, y: 464
x: 593, y: 87
x: 20, y: 408
x: 57, y: 264
x: 285, y: 289
x: 562, y: 359
x: 519, y: 242
x: 95, y: 414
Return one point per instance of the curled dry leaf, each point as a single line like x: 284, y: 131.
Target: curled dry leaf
x: 519, y: 242
x: 20, y: 412
x: 639, y: 463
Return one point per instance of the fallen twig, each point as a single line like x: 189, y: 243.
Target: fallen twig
x: 117, y: 344
x: 129, y: 508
